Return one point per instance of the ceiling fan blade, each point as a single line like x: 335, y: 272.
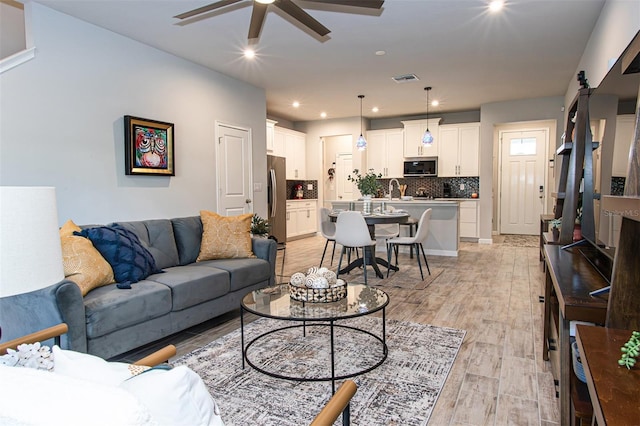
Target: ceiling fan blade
x: 372, y: 4
x: 257, y: 19
x: 207, y: 8
x: 303, y: 17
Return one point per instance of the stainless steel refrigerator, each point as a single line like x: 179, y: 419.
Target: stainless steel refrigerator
x: 277, y: 197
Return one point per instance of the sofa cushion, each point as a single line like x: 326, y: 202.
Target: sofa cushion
x: 157, y: 237
x: 193, y: 284
x: 243, y: 272
x: 188, y: 233
x: 225, y: 237
x: 131, y: 262
x: 108, y: 310
x: 83, y: 264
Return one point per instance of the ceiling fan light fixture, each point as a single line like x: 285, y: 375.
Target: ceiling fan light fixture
x: 361, y: 143
x: 427, y: 138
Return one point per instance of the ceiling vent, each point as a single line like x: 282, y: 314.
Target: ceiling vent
x: 405, y: 78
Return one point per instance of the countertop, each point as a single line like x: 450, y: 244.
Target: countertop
x: 414, y: 201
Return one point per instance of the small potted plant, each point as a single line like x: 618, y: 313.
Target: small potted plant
x: 259, y: 226
x: 367, y: 184
x: 555, y: 227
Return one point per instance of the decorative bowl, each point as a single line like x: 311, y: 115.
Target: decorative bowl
x: 318, y: 295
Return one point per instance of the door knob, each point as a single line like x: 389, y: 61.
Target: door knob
x: 248, y: 201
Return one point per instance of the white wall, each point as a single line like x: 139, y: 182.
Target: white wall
x: 61, y: 123
x: 617, y: 24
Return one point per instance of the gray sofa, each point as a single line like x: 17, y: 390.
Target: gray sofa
x: 110, y: 321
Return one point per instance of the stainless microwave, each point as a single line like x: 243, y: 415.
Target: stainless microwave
x: 427, y: 166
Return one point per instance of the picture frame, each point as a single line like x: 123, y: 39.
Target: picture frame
x: 149, y: 147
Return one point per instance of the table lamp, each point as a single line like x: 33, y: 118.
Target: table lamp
x: 30, y: 251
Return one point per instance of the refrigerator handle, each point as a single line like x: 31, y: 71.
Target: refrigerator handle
x: 274, y: 192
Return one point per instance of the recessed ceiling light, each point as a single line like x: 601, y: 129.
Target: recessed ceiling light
x: 496, y: 5
x: 435, y: 102
x: 249, y: 53
x: 374, y: 109
x: 323, y: 114
x: 296, y: 104
x: 265, y: 1
x: 380, y: 53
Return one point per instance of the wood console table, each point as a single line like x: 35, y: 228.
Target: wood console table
x: 614, y: 390
x: 569, y: 279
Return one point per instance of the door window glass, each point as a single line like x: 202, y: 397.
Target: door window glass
x: 523, y: 146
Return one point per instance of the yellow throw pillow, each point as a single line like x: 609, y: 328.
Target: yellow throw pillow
x: 83, y: 264
x: 225, y: 237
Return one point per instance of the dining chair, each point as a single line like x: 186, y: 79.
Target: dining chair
x: 416, y: 241
x: 352, y: 232
x: 328, y: 231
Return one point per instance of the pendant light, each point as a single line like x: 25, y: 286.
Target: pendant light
x: 361, y: 144
x: 427, y: 138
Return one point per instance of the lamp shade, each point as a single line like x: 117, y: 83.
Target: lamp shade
x: 30, y: 251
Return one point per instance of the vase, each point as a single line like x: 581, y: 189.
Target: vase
x: 366, y: 207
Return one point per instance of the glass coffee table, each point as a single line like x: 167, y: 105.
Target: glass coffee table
x: 275, y: 303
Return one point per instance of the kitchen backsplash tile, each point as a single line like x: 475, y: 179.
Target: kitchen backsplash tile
x: 307, y: 193
x: 617, y: 185
x: 434, y: 186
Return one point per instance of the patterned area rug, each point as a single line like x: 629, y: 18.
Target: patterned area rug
x: 521, y: 240
x: 402, y: 391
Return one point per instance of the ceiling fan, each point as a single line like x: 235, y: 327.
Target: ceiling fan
x: 287, y: 6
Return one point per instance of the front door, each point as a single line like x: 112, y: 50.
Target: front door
x: 522, y: 181
x: 344, y: 188
x: 234, y: 171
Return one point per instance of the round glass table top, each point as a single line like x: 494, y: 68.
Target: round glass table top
x: 275, y: 302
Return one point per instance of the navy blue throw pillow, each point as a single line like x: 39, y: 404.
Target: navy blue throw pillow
x: 129, y: 259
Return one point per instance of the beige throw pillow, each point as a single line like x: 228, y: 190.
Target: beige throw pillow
x: 225, y: 237
x: 83, y: 264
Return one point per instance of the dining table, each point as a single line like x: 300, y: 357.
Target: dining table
x: 372, y: 220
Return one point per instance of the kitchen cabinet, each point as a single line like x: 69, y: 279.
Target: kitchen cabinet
x: 291, y: 145
x: 302, y: 217
x: 459, y: 150
x: 413, y: 131
x: 624, y: 134
x: 271, y: 124
x: 385, y: 152
x: 469, y: 219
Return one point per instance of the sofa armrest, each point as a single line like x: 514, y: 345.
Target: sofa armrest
x: 23, y: 314
x: 266, y: 249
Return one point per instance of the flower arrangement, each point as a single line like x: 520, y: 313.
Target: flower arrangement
x: 368, y: 183
x: 259, y: 226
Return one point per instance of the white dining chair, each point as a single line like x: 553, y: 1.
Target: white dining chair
x: 352, y: 232
x: 328, y: 231
x: 416, y: 241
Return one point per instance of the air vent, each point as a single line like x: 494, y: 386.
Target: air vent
x: 405, y: 78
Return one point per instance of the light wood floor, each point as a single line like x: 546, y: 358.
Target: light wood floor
x: 492, y: 292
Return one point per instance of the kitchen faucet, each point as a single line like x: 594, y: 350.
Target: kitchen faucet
x: 391, y: 186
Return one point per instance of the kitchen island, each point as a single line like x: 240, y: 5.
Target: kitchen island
x: 444, y: 231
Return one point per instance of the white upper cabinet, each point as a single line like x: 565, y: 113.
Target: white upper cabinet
x: 385, y: 152
x: 270, y: 135
x: 413, y: 131
x: 459, y: 150
x: 291, y: 145
x: 624, y: 133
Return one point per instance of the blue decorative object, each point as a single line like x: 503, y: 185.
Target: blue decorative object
x: 129, y: 259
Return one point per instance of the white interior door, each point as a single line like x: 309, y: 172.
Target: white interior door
x: 234, y: 171
x: 522, y: 181
x: 344, y: 188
